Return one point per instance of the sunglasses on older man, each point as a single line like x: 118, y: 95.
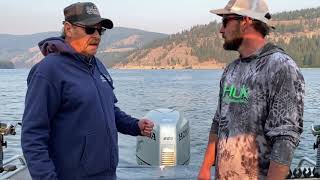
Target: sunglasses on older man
x: 90, y: 29
x: 225, y: 20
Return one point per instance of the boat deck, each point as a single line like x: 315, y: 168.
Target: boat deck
x: 124, y: 172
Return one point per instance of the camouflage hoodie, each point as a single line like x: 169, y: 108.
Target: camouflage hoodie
x: 259, y: 115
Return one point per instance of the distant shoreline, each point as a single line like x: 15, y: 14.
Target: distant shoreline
x: 204, y: 65
x: 6, y: 68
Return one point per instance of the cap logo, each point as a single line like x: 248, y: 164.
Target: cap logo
x: 92, y: 10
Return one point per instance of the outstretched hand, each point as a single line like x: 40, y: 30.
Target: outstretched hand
x: 146, y: 127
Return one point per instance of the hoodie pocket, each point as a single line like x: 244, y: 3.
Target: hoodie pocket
x: 97, y: 154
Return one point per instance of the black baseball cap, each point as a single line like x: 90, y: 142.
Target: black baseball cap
x: 85, y: 13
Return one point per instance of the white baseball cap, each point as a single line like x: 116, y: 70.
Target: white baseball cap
x: 256, y: 9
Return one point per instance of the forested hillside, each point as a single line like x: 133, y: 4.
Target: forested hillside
x: 22, y: 51
x: 298, y: 32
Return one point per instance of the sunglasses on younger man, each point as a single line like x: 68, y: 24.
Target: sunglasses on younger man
x: 91, y: 30
x: 225, y: 20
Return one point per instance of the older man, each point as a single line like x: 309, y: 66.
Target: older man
x: 258, y: 121
x: 70, y: 122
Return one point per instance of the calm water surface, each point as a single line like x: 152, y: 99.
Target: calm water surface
x: 192, y: 92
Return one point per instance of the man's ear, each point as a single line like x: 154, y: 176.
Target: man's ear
x: 67, y: 29
x: 246, y: 23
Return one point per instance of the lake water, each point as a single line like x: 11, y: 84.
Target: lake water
x: 193, y: 92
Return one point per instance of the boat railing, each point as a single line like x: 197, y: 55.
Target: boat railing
x: 14, y: 165
x: 313, y: 168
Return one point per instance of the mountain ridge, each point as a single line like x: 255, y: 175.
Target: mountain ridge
x: 202, y: 44
x: 22, y: 50
x: 200, y: 47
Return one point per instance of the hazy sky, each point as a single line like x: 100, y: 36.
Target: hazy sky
x: 166, y: 16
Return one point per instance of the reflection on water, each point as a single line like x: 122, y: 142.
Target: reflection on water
x: 192, y: 92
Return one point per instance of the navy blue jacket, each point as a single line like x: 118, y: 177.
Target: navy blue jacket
x: 70, y: 122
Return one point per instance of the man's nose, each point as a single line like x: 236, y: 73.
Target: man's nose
x: 222, y: 30
x: 96, y: 34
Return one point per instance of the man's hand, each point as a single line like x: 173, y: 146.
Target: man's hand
x: 277, y: 171
x: 209, y: 158
x: 146, y: 127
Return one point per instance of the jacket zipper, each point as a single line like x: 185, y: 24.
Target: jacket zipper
x: 91, y: 72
